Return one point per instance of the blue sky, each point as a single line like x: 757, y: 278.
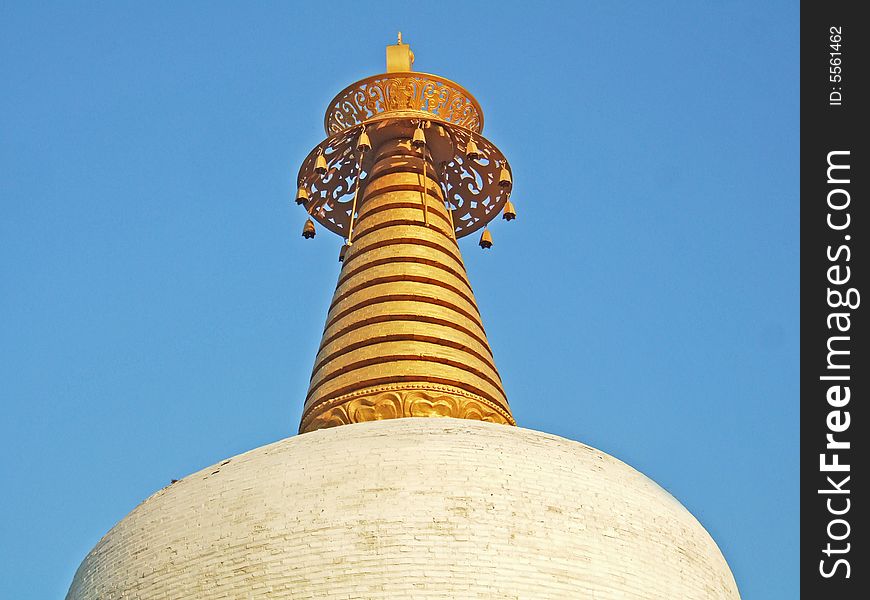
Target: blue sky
x: 161, y: 311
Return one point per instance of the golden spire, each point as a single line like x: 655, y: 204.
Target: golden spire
x: 403, y: 336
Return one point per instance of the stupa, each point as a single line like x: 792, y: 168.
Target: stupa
x: 409, y: 477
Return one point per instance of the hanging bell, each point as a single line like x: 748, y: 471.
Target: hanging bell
x: 485, y: 239
x: 419, y: 138
x: 342, y: 252
x: 471, y: 150
x: 308, y: 231
x: 504, y: 178
x: 509, y: 213
x: 320, y: 165
x: 301, y: 195
x: 363, y: 144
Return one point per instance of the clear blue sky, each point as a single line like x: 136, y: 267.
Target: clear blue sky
x: 160, y: 310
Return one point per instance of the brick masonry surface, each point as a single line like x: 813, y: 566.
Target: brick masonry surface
x: 410, y: 508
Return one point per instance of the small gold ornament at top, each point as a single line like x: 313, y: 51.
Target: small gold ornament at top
x: 399, y: 57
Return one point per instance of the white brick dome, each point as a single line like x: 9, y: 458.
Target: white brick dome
x: 410, y: 508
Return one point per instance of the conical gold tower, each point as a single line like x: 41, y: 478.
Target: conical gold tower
x: 403, y: 335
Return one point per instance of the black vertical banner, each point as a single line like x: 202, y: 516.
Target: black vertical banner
x: 835, y: 367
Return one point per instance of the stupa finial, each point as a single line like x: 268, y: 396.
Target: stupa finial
x: 404, y: 173
x: 400, y: 58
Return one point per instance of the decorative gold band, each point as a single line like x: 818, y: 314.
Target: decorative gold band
x: 402, y: 400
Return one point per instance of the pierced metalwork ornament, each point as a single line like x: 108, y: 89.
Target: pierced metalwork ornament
x: 411, y: 93
x: 473, y: 188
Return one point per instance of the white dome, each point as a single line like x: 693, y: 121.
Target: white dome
x: 435, y: 508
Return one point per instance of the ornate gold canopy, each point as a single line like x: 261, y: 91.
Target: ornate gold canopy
x: 471, y: 187
x: 416, y: 95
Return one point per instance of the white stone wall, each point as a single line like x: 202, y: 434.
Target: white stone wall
x: 410, y: 508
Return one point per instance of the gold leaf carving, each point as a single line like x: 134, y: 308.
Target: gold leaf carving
x: 393, y: 404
